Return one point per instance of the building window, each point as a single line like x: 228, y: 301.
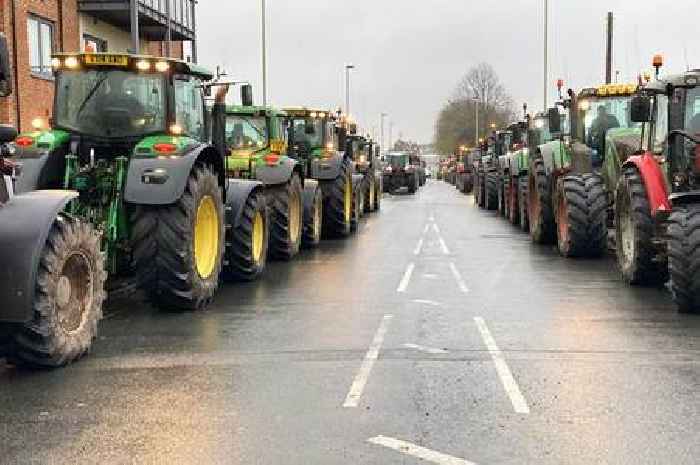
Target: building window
x: 94, y: 44
x: 40, y: 40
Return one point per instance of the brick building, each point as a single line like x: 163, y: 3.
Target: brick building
x: 37, y: 28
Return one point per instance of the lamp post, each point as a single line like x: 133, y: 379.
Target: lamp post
x: 476, y: 120
x: 347, y: 88
x: 264, y: 54
x: 381, y: 128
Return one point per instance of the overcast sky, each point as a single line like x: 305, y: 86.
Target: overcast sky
x: 409, y: 55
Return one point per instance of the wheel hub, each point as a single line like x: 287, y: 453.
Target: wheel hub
x: 74, y: 292
x: 206, y: 237
x: 258, y: 236
x: 347, y: 201
x: 294, y: 217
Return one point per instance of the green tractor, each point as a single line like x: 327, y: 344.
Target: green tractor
x: 509, y: 143
x: 657, y: 201
x: 364, y: 153
x: 486, y: 175
x: 464, y: 181
x: 256, y: 141
x: 399, y: 172
x: 567, y: 196
x: 52, y: 284
x: 130, y: 134
x: 318, y: 141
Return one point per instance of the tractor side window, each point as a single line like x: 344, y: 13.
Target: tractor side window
x: 692, y: 111
x: 246, y: 132
x: 189, y: 107
x: 661, y: 126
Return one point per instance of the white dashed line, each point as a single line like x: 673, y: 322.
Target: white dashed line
x: 406, y: 278
x: 358, y: 384
x: 509, y: 384
x: 429, y: 350
x: 416, y: 251
x: 427, y: 302
x: 443, y: 246
x: 419, y: 452
x: 458, y: 277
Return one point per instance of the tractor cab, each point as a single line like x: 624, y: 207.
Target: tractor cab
x: 314, y: 132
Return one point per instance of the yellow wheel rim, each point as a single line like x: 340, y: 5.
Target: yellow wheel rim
x: 371, y: 196
x: 206, y: 237
x: 258, y: 235
x: 294, y: 217
x: 347, y: 201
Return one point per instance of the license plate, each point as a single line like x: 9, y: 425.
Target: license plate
x: 107, y: 60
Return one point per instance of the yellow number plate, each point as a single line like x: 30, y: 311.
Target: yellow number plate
x: 107, y: 60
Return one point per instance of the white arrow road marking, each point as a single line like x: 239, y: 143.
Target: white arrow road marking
x: 458, y: 277
x: 427, y: 302
x: 425, y: 230
x: 358, y: 384
x: 414, y: 450
x: 406, y: 278
x: 416, y: 251
x: 509, y: 384
x: 443, y: 246
x: 429, y: 350
x: 436, y: 228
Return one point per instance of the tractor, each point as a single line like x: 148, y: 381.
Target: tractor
x: 657, y: 201
x: 130, y: 134
x: 486, y: 175
x: 318, y: 141
x: 568, y: 201
x: 509, y: 143
x: 399, y: 172
x: 464, y: 181
x: 364, y: 153
x: 52, y: 284
x: 256, y: 143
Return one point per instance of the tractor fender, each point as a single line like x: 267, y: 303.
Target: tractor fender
x: 144, y: 185
x: 654, y: 181
x: 40, y: 170
x: 327, y: 168
x: 357, y: 180
x: 278, y: 174
x: 308, y: 196
x: 237, y: 193
x: 25, y: 223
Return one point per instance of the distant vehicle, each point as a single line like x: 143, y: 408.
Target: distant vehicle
x: 400, y: 172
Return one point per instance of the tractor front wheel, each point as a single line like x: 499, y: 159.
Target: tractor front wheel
x: 581, y: 216
x: 634, y: 233
x: 337, y: 206
x: 178, y: 248
x: 287, y: 219
x: 539, y: 205
x: 491, y: 191
x: 67, y: 304
x: 684, y: 257
x: 247, y: 242
x: 512, y: 199
x: 313, y: 221
x: 522, y: 203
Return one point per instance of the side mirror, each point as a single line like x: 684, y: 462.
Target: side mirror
x: 640, y: 109
x: 554, y: 120
x: 5, y: 74
x: 247, y: 95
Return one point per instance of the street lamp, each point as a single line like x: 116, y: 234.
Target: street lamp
x: 476, y: 119
x: 264, y: 54
x: 347, y: 88
x: 381, y: 125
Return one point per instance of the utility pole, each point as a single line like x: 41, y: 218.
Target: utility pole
x: 476, y: 121
x: 391, y: 129
x: 609, y: 49
x: 381, y: 126
x: 264, y: 54
x: 546, y: 75
x: 347, y: 88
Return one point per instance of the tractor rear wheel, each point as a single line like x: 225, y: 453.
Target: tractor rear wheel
x: 491, y: 191
x: 378, y: 192
x: 313, y: 221
x: 684, y: 257
x: 480, y: 187
x: 522, y: 203
x: 412, y: 183
x: 247, y: 242
x: 502, y: 195
x: 539, y: 204
x: 357, y: 205
x: 634, y: 232
x: 512, y: 199
x: 581, y: 216
x: 287, y: 219
x: 67, y: 303
x: 337, y: 206
x: 370, y: 194
x: 178, y: 248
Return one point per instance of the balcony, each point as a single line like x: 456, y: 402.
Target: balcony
x: 153, y: 16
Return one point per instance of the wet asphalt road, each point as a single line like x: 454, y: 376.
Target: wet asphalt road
x: 488, y: 350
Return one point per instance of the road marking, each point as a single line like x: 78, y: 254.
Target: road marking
x: 443, y: 246
x: 416, y: 251
x: 431, y: 218
x: 458, y: 277
x: 427, y: 302
x: 436, y: 228
x: 509, y: 384
x: 406, y: 278
x: 358, y: 384
x: 414, y: 450
x: 427, y: 226
x: 430, y: 350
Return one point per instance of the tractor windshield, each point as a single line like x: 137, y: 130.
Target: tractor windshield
x: 692, y: 111
x: 398, y: 160
x: 246, y: 132
x: 308, y: 130
x: 601, y: 115
x: 110, y: 103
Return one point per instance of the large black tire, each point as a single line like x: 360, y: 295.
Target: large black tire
x: 480, y: 195
x: 67, y: 303
x: 512, y: 200
x: 357, y: 207
x: 287, y: 218
x: 313, y: 221
x: 539, y: 204
x: 163, y: 241
x: 412, y: 183
x: 370, y: 193
x: 337, y: 204
x: 378, y: 194
x: 522, y: 203
x: 637, y: 257
x: 491, y: 187
x: 502, y: 209
x: 581, y: 216
x: 684, y: 257
x: 247, y: 242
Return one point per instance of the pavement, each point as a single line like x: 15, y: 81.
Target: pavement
x: 437, y: 334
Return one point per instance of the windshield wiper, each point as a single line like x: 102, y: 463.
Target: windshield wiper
x: 90, y: 94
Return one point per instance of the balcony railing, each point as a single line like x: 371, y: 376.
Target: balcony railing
x: 153, y: 16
